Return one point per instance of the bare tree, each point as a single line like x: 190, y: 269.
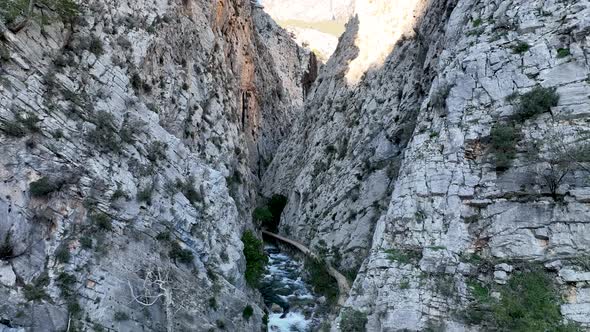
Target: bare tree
x: 560, y: 155
x: 157, y: 283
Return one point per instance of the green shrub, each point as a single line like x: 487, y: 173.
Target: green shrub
x: 102, y: 221
x: 529, y: 302
x: 504, y: 138
x: 74, y: 308
x: 537, y: 101
x: 163, y: 236
x: 66, y: 9
x: 184, y: 256
x: 563, y: 52
x: 520, y: 48
x: 104, y: 136
x: 479, y: 291
x: 119, y: 193
x: 62, y: 254
x: 35, y: 291
x: 13, y: 128
x: 247, y: 312
x: 256, y: 259
x: 188, y: 190
x: 157, y: 151
x: 10, y: 10
x: 322, y: 282
x: 145, y: 195
x: 213, y: 303
x: 404, y: 256
x: 86, y: 242
x: 65, y: 281
x: 96, y: 46
x: 353, y: 321
x: 21, y: 125
x: 43, y: 187
x: 136, y: 81
x: 120, y: 316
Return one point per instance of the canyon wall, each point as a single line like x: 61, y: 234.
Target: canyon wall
x: 459, y: 157
x: 133, y: 135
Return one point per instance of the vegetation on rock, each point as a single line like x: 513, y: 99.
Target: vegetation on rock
x: 528, y: 302
x: 322, y: 282
x: 256, y: 259
x: 247, y: 312
x: 504, y: 136
x: 353, y: 321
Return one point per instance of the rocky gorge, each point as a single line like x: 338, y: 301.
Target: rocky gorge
x: 440, y: 159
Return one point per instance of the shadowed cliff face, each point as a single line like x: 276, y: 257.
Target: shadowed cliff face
x: 133, y: 133
x: 402, y: 174
x: 345, y: 150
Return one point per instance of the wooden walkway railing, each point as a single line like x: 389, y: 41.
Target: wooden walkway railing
x: 343, y: 285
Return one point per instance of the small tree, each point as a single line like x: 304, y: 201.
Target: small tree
x: 559, y: 159
x: 538, y: 100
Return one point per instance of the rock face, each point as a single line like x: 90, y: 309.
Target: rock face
x: 133, y: 135
x: 396, y: 167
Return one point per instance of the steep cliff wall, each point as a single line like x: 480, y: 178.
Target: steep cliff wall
x: 133, y: 133
x: 464, y: 149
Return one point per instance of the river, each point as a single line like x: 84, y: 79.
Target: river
x: 283, y: 286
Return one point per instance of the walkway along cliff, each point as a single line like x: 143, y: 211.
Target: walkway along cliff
x: 442, y: 157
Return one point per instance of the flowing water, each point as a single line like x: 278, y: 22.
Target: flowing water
x: 283, y: 286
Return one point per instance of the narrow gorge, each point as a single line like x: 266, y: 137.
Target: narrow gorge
x: 437, y: 157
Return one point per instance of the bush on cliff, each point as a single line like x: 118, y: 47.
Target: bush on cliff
x: 256, y: 259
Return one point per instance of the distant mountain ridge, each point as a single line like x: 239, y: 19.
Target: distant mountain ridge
x: 309, y: 10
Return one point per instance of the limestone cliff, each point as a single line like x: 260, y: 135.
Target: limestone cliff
x: 133, y: 134
x: 447, y: 153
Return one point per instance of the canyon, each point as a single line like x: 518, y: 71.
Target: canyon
x: 439, y: 158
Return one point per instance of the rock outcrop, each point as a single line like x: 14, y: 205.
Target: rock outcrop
x: 434, y: 149
x: 133, y: 135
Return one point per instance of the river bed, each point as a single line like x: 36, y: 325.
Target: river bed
x: 291, y: 300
